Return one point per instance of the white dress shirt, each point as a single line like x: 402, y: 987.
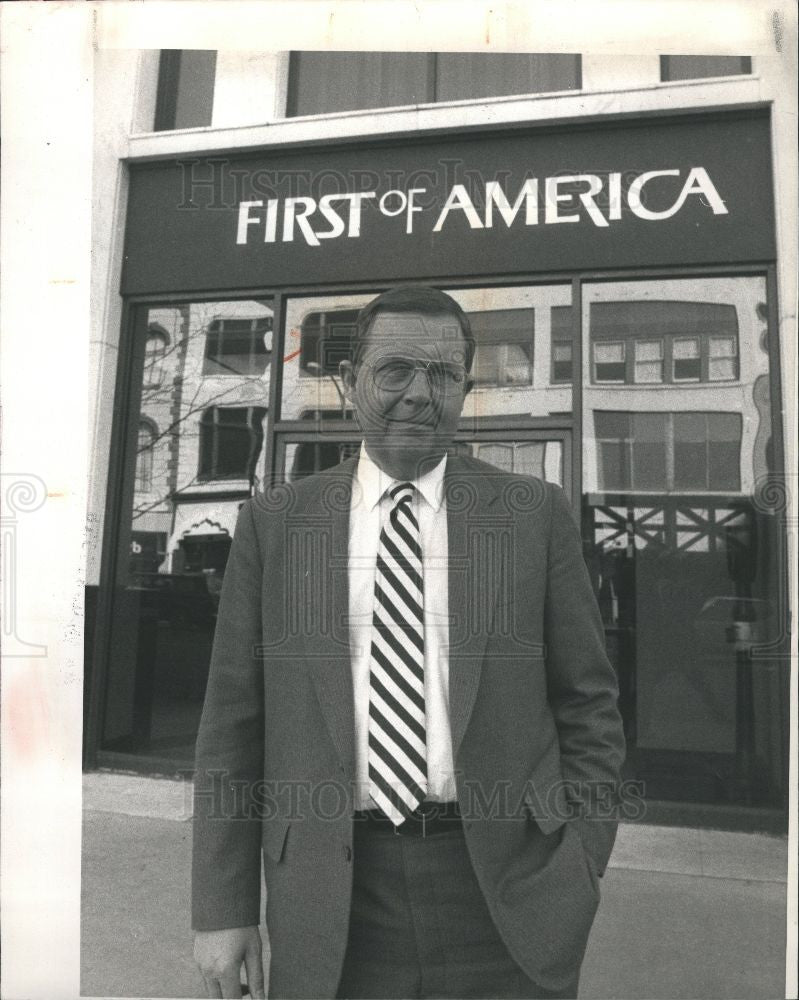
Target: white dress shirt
x: 368, y: 511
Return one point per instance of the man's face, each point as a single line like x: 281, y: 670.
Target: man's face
x: 408, y: 389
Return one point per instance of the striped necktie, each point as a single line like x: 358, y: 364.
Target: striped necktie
x: 397, y: 741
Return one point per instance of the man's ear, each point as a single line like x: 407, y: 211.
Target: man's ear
x: 346, y: 373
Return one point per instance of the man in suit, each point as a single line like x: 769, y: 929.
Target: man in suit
x: 410, y: 714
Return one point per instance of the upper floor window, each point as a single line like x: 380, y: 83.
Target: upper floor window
x: 700, y: 67
x: 230, y: 441
x: 237, y: 346
x: 185, y: 97
x: 504, y: 351
x: 659, y: 342
x: 154, y: 354
x: 326, y: 339
x: 329, y: 82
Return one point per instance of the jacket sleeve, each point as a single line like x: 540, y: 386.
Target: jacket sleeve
x: 582, y: 687
x: 226, y: 857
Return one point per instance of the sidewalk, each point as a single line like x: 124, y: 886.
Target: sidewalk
x: 685, y: 913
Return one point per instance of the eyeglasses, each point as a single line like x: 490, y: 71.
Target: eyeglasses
x: 396, y: 374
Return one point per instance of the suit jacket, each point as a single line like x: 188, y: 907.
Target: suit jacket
x: 535, y: 725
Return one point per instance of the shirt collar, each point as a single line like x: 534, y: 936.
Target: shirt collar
x: 373, y: 481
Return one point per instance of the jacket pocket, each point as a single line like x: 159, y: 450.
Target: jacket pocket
x: 274, y: 836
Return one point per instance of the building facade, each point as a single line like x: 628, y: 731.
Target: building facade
x: 610, y: 226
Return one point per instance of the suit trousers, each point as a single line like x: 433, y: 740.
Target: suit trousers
x: 420, y: 927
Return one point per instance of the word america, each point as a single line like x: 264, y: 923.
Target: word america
x: 306, y: 216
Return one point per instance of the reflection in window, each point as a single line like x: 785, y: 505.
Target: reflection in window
x: 144, y: 456
x: 230, y: 441
x: 653, y: 341
x: 154, y: 354
x: 562, y: 345
x: 319, y: 333
x: 681, y: 550
x: 308, y: 457
x: 543, y: 459
x: 686, y: 360
x: 237, y: 346
x: 649, y: 361
x: 707, y: 451
x: 504, y: 353
x: 609, y: 361
x: 722, y: 359
x: 326, y: 339
x: 667, y: 452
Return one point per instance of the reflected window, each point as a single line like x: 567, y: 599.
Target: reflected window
x: 319, y: 335
x: 237, y: 346
x: 543, y: 459
x: 668, y: 452
x: 144, y: 456
x: 504, y: 351
x: 326, y: 339
x: 154, y: 354
x: 662, y: 341
x: 610, y: 361
x: 230, y: 441
x: 649, y: 361
x: 308, y: 457
x: 523, y: 358
x: 686, y: 360
x: 722, y: 359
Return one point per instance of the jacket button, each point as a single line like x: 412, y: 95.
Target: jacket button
x: 348, y: 853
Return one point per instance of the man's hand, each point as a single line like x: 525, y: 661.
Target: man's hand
x: 219, y: 955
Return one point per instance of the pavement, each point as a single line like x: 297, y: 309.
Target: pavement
x: 685, y: 913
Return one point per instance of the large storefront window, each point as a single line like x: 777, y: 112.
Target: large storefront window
x: 522, y: 363
x: 677, y: 451
x: 198, y: 411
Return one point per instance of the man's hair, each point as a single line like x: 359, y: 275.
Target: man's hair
x: 421, y: 300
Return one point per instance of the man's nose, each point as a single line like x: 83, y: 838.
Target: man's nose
x: 419, y: 387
